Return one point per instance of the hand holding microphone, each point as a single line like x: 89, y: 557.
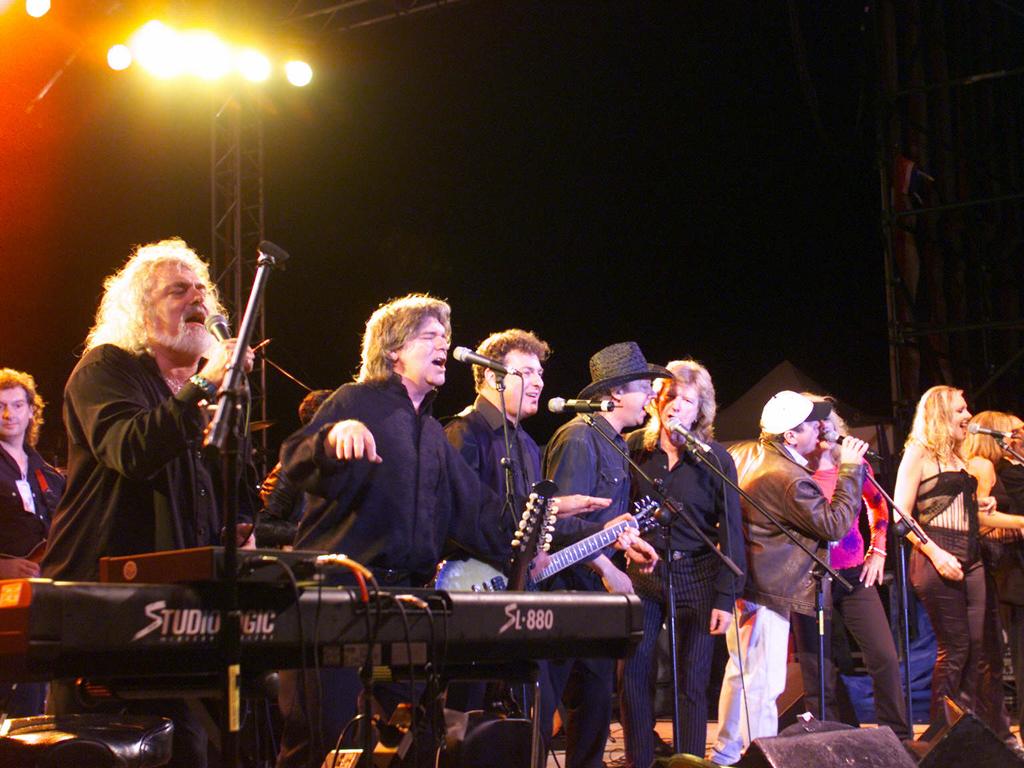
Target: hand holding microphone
x: 853, y: 450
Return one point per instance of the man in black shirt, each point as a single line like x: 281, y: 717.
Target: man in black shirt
x: 385, y: 487
x: 581, y: 461
x: 133, y: 407
x: 29, y: 491
x: 704, y: 589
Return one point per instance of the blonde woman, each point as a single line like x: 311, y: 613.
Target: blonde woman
x: 947, y: 572
x: 1000, y: 475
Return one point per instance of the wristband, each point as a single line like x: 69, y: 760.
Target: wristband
x: 877, y: 551
x: 209, y: 390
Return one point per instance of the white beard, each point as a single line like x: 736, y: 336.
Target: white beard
x: 192, y: 340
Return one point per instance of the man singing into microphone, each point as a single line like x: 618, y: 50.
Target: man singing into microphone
x: 138, y: 480
x: 385, y: 487
x: 774, y: 471
x: 581, y: 461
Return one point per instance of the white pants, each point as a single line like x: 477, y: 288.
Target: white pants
x: 764, y: 641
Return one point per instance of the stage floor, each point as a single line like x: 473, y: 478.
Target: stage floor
x: 614, y: 754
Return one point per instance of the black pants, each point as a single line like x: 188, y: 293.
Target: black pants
x: 961, y: 614
x: 693, y: 580
x: 866, y: 620
x: 585, y: 684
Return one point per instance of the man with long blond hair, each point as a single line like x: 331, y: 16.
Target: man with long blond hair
x: 29, y: 491
x: 704, y: 589
x: 138, y: 480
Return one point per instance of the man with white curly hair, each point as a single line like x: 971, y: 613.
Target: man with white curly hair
x: 138, y: 480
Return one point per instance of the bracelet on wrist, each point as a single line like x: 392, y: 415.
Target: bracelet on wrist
x: 207, y: 387
x: 877, y: 551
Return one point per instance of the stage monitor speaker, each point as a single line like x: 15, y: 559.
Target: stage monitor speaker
x: 963, y: 740
x: 846, y: 748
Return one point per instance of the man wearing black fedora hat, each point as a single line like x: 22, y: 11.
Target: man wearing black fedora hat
x: 581, y: 461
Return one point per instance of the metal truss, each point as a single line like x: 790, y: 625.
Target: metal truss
x: 236, y: 178
x: 950, y: 118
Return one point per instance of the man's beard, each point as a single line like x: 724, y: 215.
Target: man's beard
x: 192, y: 340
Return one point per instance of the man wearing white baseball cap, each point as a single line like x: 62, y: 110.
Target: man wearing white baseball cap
x: 773, y: 470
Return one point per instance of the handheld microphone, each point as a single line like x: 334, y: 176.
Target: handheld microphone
x: 218, y: 327
x: 834, y: 437
x: 561, y: 405
x: 467, y: 355
x: 676, y: 426
x: 977, y: 429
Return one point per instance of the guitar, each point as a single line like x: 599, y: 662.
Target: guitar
x: 474, y: 576
x: 644, y: 519
x: 532, y: 534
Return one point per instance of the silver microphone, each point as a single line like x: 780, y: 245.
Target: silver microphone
x: 218, y: 327
x: 467, y: 355
x: 676, y: 426
x: 977, y: 429
x: 561, y: 405
x: 834, y: 437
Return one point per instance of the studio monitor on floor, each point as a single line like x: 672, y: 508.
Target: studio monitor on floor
x: 845, y: 748
x: 963, y: 740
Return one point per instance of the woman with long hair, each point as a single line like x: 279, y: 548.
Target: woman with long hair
x: 1000, y: 475
x: 947, y: 571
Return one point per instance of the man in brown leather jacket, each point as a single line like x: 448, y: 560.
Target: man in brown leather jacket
x: 773, y: 471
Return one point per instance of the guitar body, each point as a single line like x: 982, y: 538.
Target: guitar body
x: 469, y: 576
x: 474, y: 576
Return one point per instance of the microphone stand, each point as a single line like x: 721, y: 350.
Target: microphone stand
x: 223, y: 436
x: 670, y: 596
x: 903, y: 526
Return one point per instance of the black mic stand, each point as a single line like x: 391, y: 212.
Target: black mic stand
x: 665, y: 519
x: 819, y: 571
x: 223, y: 436
x: 905, y: 525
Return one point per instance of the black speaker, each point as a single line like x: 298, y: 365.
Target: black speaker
x: 846, y: 748
x: 963, y: 738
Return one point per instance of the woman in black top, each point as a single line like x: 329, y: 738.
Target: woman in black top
x: 1000, y: 475
x: 947, y: 571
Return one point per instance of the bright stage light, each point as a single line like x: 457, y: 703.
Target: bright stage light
x: 205, y: 54
x: 253, y: 65
x: 299, y: 73
x: 158, y: 50
x: 37, y: 8
x: 119, y: 57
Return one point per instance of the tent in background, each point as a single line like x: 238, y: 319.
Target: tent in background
x: 740, y: 420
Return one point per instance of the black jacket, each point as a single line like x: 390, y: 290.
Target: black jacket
x: 399, y: 514
x: 778, y: 572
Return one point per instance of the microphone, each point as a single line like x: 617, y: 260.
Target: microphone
x: 275, y: 253
x: 834, y: 437
x: 466, y: 355
x: 977, y: 429
x: 218, y: 327
x: 561, y: 405
x: 676, y: 426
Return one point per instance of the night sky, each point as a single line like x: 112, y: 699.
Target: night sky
x: 594, y: 171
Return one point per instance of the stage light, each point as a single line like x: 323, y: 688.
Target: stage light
x: 119, y: 57
x: 37, y: 8
x: 205, y: 54
x: 158, y: 50
x: 299, y: 73
x: 253, y: 65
